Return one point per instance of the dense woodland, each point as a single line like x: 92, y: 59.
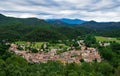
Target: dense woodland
x: 32, y: 29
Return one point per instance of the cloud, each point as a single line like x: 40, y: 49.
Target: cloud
x: 99, y: 10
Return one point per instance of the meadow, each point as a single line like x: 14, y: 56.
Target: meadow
x: 106, y: 39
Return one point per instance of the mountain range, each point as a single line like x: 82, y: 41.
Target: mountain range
x: 89, y: 24
x: 34, y: 29
x: 59, y: 22
x: 66, y: 21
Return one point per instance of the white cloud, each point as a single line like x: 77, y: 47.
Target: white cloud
x: 99, y: 10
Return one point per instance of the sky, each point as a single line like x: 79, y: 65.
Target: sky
x: 98, y: 10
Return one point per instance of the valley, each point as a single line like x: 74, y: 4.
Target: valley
x: 62, y: 47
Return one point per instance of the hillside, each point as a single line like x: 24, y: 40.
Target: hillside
x: 39, y: 30
x: 33, y: 29
x: 4, y: 20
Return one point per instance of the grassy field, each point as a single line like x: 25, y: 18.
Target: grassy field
x: 36, y: 45
x: 39, y: 44
x: 100, y: 38
x: 57, y: 46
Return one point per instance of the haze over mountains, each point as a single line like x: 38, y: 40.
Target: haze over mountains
x: 67, y: 21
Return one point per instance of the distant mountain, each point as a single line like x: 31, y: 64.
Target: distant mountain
x: 89, y: 24
x: 4, y: 20
x: 65, y: 21
x: 56, y: 22
x: 1, y: 15
x: 101, y: 25
x: 73, y: 21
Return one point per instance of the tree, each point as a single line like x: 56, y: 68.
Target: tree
x: 73, y: 73
x: 115, y: 47
x: 106, y: 53
x: 117, y: 71
x: 105, y: 68
x: 89, y: 40
x: 82, y: 60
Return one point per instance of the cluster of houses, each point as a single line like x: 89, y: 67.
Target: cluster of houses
x: 87, y: 54
x: 104, y: 43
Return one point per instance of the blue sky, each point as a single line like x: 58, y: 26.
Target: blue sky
x: 98, y: 10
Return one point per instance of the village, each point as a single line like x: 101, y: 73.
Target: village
x: 85, y: 54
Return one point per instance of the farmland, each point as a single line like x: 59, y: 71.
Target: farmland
x: 106, y: 39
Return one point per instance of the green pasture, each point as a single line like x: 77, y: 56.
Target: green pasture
x: 39, y: 44
x: 100, y: 38
x: 33, y: 45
